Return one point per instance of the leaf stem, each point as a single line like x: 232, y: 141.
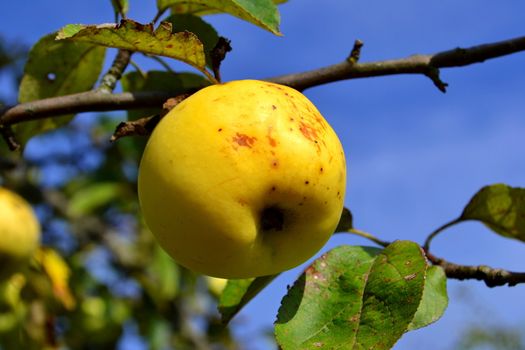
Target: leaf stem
x: 162, y: 63
x: 158, y: 15
x: 210, y: 76
x: 437, y: 231
x: 368, y: 236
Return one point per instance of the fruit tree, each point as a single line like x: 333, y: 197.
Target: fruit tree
x: 260, y: 174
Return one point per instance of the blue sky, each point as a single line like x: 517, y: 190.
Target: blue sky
x: 415, y: 156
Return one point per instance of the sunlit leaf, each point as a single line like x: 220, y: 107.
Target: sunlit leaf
x: 163, y: 277
x: 435, y: 299
x: 263, y: 13
x: 90, y: 198
x: 56, y: 68
x: 500, y: 207
x: 58, y: 272
x: 238, y: 293
x: 133, y: 36
x: 353, y: 298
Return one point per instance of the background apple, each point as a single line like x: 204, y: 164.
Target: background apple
x: 242, y: 179
x: 19, y: 232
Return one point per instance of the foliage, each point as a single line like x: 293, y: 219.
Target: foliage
x: 99, y: 272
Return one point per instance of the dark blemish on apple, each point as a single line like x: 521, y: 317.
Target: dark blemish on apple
x: 274, y: 107
x: 272, y: 219
x: 169, y: 46
x: 244, y: 140
x: 291, y: 119
x: 306, y: 182
x: 220, y: 129
x: 274, y: 188
x: 275, y: 164
x: 321, y: 170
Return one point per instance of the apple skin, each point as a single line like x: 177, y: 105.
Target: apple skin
x: 19, y: 232
x: 242, y: 179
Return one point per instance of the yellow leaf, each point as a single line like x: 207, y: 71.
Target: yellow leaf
x: 58, y: 272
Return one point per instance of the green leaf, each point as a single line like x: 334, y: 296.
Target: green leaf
x: 56, y: 68
x: 435, y: 299
x: 345, y: 222
x: 97, y: 195
x: 238, y: 293
x: 353, y: 298
x: 500, y: 207
x: 120, y: 6
x: 133, y: 36
x: 163, y: 277
x: 196, y: 25
x: 263, y: 13
x: 175, y: 83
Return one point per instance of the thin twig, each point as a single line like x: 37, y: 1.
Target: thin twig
x: 355, y: 54
x: 144, y: 126
x: 110, y: 79
x: 418, y: 64
x: 9, y: 137
x: 90, y: 101
x: 368, y: 236
x: 492, y: 277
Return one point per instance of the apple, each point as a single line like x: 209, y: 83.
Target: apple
x: 242, y: 179
x: 19, y: 232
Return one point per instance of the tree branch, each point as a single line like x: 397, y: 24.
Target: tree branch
x: 428, y: 65
x: 110, y: 79
x: 417, y: 64
x: 90, y: 101
x: 491, y: 276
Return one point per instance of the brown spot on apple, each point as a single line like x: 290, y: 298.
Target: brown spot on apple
x: 275, y: 164
x: 308, y: 131
x: 271, y: 140
x: 244, y: 140
x: 242, y: 202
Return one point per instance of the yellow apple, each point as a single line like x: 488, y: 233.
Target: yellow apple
x: 19, y: 232
x: 242, y: 179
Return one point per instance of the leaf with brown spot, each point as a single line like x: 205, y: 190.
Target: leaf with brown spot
x: 501, y: 208
x: 133, y: 36
x: 56, y: 68
x: 238, y: 293
x: 354, y: 298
